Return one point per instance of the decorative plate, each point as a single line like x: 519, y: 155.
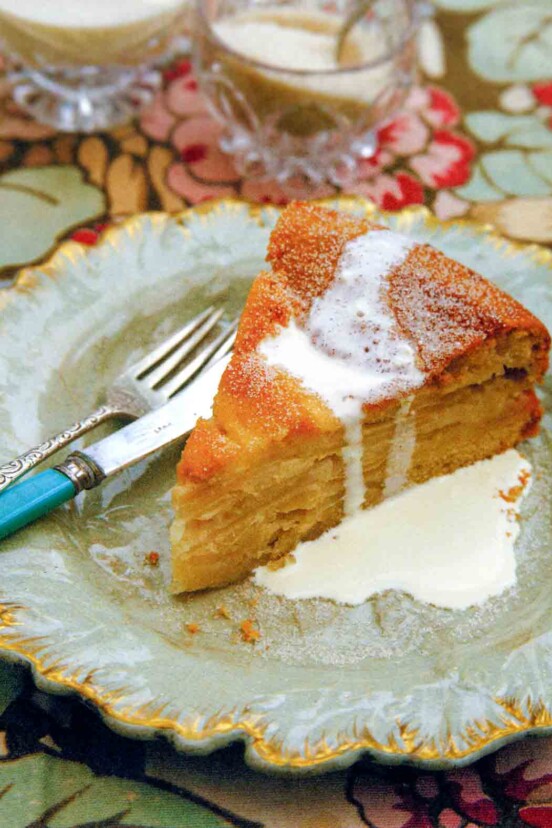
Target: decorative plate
x: 81, y: 602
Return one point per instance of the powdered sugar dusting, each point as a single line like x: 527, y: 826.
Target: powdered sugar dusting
x: 350, y: 349
x: 445, y: 308
x: 352, y: 320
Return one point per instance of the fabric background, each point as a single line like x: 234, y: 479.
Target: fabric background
x: 473, y: 140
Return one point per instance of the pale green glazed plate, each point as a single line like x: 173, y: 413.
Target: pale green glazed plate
x: 402, y: 680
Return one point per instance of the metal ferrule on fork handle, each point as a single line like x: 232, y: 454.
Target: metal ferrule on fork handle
x: 81, y: 471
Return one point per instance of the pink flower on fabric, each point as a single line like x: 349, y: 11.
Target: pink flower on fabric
x: 440, y: 108
x: 181, y: 181
x: 392, y: 192
x: 384, y: 805
x: 196, y: 140
x: 398, y: 798
x: 406, y: 134
x: 468, y: 797
x: 446, y: 163
x: 417, y: 150
x: 420, y: 149
x: 524, y: 771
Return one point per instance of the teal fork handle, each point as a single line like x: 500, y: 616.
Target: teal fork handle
x: 21, y: 504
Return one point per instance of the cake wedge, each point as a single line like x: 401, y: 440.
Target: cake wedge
x: 365, y: 362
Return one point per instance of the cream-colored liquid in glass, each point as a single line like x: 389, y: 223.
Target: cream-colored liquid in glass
x: 448, y: 542
x: 84, y: 31
x: 305, y: 41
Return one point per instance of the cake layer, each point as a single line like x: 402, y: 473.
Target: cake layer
x: 252, y: 516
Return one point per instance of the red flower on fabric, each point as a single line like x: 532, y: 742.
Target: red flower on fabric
x: 543, y: 93
x: 89, y: 236
x: 396, y: 191
x: 442, y: 109
x: 85, y: 236
x: 178, y: 70
x: 194, y: 152
x: 539, y: 816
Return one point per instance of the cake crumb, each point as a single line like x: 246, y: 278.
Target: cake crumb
x: 513, y: 515
x: 515, y: 492
x: 248, y: 632
x: 221, y: 612
x: 193, y: 628
x: 152, y: 559
x: 524, y: 477
x: 279, y: 563
x: 512, y: 494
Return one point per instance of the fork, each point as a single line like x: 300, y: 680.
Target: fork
x: 149, y: 383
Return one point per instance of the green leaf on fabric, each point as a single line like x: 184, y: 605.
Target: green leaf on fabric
x: 39, y: 204
x: 479, y: 188
x: 42, y: 789
x: 12, y: 678
x: 524, y: 131
x: 541, y: 162
x: 513, y: 43
x: 512, y: 172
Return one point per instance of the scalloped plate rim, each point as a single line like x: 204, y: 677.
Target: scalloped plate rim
x: 344, y: 754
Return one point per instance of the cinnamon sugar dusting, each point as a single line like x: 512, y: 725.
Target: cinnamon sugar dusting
x: 306, y: 245
x: 270, y: 304
x: 207, y: 451
x: 436, y: 307
x: 259, y: 399
x: 447, y: 309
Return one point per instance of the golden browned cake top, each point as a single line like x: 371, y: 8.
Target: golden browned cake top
x: 441, y: 307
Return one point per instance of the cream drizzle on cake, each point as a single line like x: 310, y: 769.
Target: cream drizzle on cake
x: 350, y: 350
x: 402, y: 449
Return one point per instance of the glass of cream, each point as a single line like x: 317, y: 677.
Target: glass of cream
x: 294, y: 106
x: 84, y: 65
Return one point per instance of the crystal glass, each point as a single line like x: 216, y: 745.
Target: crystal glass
x: 291, y: 111
x: 84, y: 65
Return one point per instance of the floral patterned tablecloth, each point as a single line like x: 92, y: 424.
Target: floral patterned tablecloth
x: 473, y: 140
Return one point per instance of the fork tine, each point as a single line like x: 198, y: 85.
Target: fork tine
x: 150, y: 360
x: 215, y: 350
x: 225, y: 347
x: 156, y: 377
